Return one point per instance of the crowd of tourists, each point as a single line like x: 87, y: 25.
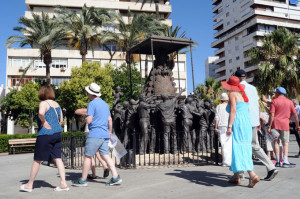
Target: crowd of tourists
x: 238, y: 120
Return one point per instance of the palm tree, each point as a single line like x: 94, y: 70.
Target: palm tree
x: 83, y: 29
x: 156, y: 2
x: 138, y: 28
x: 210, y: 89
x: 39, y: 32
x: 278, y: 60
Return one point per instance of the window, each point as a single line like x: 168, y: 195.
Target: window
x: 236, y: 38
x: 229, y: 51
x: 230, y: 61
x: 237, y: 48
x: 181, y: 67
x: 38, y: 63
x: 19, y: 62
x: 227, y: 14
x: 57, y: 81
x: 233, y: 1
x: 237, y: 58
x: 59, y: 63
x: 109, y: 47
x: 229, y: 42
x: 108, y: 28
x: 16, y: 80
x: 228, y: 23
x: 182, y: 83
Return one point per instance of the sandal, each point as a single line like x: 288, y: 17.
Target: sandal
x: 252, y: 182
x: 91, y: 177
x: 234, y: 180
x: 22, y: 188
x: 61, y: 189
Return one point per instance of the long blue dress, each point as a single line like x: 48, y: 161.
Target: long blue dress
x: 241, y: 139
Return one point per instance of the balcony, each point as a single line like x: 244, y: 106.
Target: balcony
x: 216, y: 8
x: 219, y: 51
x: 218, y: 24
x: 218, y: 70
x: 216, y: 2
x: 220, y: 60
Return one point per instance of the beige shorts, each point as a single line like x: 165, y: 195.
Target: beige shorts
x: 284, y: 136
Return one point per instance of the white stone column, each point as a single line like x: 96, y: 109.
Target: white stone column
x: 10, y: 127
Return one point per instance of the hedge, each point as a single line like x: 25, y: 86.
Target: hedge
x: 4, y: 138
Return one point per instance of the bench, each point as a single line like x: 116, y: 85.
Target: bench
x: 18, y: 143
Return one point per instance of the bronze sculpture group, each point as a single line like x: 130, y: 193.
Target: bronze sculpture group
x: 153, y: 118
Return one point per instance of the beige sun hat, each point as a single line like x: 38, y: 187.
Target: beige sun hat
x: 93, y: 89
x: 224, y: 97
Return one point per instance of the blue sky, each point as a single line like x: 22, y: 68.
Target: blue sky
x: 194, y: 16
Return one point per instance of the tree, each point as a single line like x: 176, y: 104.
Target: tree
x: 22, y: 106
x: 73, y: 94
x: 210, y: 89
x: 156, y: 2
x: 83, y: 29
x: 39, y: 32
x: 120, y: 78
x: 138, y: 28
x: 278, y: 60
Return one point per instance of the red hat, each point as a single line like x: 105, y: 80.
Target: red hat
x: 233, y: 84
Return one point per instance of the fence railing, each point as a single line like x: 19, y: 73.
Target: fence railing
x: 153, y: 154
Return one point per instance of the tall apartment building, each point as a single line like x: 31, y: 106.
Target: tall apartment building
x: 64, y: 58
x: 241, y: 24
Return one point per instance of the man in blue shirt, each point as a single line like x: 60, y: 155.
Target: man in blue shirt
x: 100, y: 128
x: 252, y: 95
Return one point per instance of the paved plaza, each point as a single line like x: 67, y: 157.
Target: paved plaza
x: 207, y: 181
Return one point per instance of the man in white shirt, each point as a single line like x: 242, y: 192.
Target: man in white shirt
x: 252, y: 95
x: 297, y: 107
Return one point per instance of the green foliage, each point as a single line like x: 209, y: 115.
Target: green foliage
x: 22, y: 105
x: 279, y: 62
x: 83, y: 29
x: 41, y: 32
x: 73, y: 94
x: 121, y: 78
x: 4, y: 139
x: 210, y: 90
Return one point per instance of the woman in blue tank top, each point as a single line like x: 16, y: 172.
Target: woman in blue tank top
x: 48, y: 139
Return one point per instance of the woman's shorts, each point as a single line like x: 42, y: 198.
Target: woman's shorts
x: 47, y: 145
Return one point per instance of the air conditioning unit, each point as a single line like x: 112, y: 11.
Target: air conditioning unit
x: 21, y: 69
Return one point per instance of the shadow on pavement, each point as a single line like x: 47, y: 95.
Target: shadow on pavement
x: 38, y: 184
x: 203, y: 177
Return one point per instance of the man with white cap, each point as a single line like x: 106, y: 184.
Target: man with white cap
x: 221, y: 124
x: 251, y: 92
x: 280, y: 113
x: 100, y: 128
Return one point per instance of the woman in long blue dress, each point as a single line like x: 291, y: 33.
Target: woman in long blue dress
x: 240, y: 127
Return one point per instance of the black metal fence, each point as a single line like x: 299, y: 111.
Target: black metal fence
x: 73, y: 152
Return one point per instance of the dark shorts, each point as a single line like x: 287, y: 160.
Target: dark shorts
x: 47, y: 145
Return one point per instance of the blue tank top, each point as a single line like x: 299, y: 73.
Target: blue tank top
x: 53, y: 121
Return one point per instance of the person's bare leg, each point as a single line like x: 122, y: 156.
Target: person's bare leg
x: 61, y: 170
x: 110, y: 164
x: 103, y: 163
x: 86, y: 166
x: 285, y: 146
x: 93, y: 167
x: 276, y: 149
x: 34, y: 171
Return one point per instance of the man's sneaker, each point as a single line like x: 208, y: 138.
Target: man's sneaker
x: 277, y: 164
x: 290, y: 165
x: 114, y: 181
x: 271, y: 175
x: 79, y: 183
x: 106, y: 173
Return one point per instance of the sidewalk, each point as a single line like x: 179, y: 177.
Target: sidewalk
x: 186, y: 182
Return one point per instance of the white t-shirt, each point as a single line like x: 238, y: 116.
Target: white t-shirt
x: 222, y: 115
x: 252, y: 95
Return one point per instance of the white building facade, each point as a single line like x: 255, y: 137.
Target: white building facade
x: 64, y: 58
x: 241, y: 24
